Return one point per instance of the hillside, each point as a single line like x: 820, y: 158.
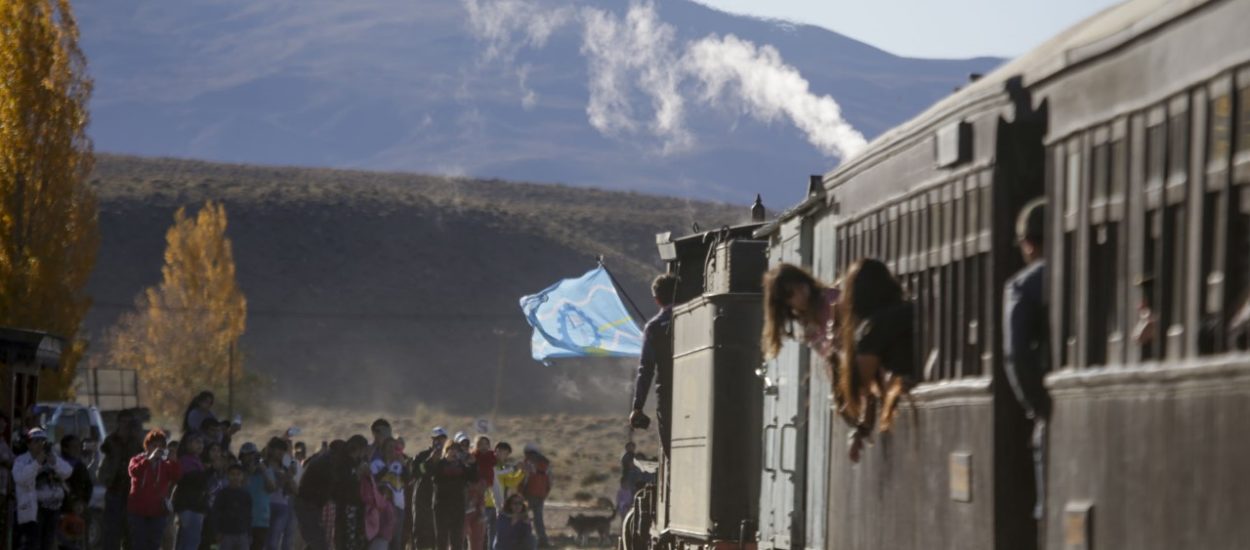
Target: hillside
x: 536, y: 90
x: 387, y: 289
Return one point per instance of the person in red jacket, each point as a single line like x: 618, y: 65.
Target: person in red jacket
x: 152, y: 478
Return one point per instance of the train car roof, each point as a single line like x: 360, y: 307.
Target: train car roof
x: 672, y: 247
x: 1099, y: 34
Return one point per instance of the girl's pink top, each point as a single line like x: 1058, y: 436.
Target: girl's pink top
x: 821, y: 336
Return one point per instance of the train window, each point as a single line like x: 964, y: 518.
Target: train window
x: 1118, y: 178
x: 1220, y: 127
x: 1072, y: 194
x: 1237, y: 298
x: 1155, y: 155
x: 868, y: 247
x: 904, y: 242
x: 1100, y: 174
x: 885, y: 239
x: 1214, y: 221
x: 867, y: 227
x: 1155, y: 287
x: 1072, y: 201
x: 1175, y: 227
x: 865, y: 239
x: 1054, y: 174
x: 934, y: 288
x: 1237, y: 283
x: 1173, y: 266
x: 870, y: 236
x: 989, y: 294
x: 1117, y: 255
x: 857, y: 250
x: 1178, y: 141
x: 1214, y: 225
x: 920, y: 246
x: 951, y: 301
x: 1100, y: 261
x: 935, y: 227
x: 954, y: 298
x: 1243, y: 118
x: 968, y: 276
x: 896, y: 237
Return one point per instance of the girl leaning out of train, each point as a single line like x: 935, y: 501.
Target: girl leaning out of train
x: 792, y: 296
x: 877, y: 345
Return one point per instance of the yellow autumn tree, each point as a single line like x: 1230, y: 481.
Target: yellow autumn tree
x: 48, y: 235
x: 184, y: 331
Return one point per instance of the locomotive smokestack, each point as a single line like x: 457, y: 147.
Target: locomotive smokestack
x: 757, y: 210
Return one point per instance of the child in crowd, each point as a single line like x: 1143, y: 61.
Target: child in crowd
x: 232, y: 510
x: 479, y: 504
x: 72, y: 533
x: 217, y: 464
x: 513, y: 530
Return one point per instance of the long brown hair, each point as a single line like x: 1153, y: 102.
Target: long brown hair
x: 777, y: 313
x: 868, y: 287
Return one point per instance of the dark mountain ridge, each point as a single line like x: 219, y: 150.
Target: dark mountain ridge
x: 375, y: 289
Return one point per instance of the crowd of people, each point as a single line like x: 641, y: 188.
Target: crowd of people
x: 200, y: 490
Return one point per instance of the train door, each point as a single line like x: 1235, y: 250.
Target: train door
x: 819, y: 414
x: 781, y: 485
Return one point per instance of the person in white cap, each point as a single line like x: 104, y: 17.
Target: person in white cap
x: 39, y: 482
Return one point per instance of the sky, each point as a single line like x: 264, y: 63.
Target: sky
x: 931, y: 28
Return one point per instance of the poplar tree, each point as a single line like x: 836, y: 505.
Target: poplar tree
x: 48, y: 235
x: 184, y: 332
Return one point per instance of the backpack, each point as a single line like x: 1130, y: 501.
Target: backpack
x: 537, y: 483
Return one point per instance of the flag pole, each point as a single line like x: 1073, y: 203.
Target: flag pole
x: 629, y: 430
x: 621, y: 289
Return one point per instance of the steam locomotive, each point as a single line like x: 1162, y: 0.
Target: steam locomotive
x: 1135, y: 126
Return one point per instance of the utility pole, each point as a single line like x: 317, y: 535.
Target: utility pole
x: 500, y: 334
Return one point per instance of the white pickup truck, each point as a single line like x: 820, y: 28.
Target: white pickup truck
x: 83, y: 421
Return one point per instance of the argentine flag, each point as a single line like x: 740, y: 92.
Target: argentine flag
x: 581, y: 317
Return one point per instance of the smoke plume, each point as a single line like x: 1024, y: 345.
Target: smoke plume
x: 638, y: 55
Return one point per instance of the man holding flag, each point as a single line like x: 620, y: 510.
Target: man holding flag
x: 656, y: 362
x: 584, y: 317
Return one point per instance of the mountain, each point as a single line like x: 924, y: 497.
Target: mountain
x: 587, y: 92
x: 371, y: 289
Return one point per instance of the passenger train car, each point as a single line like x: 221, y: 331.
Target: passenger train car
x: 1135, y: 126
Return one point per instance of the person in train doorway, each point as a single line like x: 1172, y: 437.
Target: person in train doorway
x: 1025, y: 334
x: 656, y: 362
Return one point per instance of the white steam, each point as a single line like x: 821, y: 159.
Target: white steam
x: 508, y: 25
x: 767, y: 88
x: 636, y: 52
x: 639, y: 54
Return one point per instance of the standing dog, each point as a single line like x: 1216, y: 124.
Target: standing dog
x: 584, y: 525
